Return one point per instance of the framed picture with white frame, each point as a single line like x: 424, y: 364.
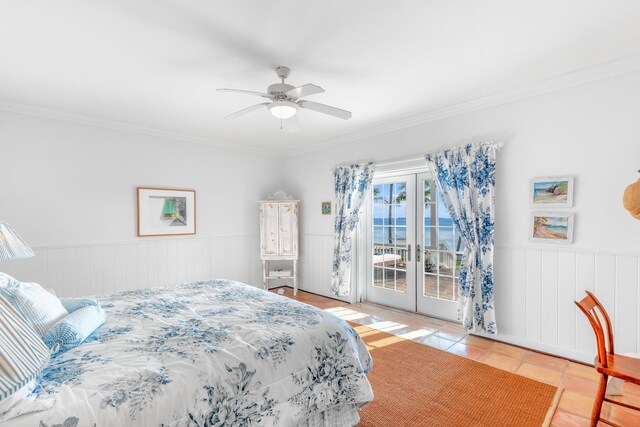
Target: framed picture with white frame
x: 551, y: 192
x: 166, y: 212
x: 551, y: 227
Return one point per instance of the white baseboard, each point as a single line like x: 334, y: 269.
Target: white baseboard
x: 540, y: 347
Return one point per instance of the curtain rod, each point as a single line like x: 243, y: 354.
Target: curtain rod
x: 411, y: 159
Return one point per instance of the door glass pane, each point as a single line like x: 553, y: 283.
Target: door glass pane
x: 384, y: 193
x: 377, y: 276
x: 401, y: 236
x: 429, y: 187
x: 430, y: 237
x: 431, y: 285
x: 390, y: 235
x: 399, y: 192
x: 401, y: 280
x: 389, y: 278
x: 431, y: 262
x: 378, y: 234
x: 378, y: 214
x: 429, y: 214
x: 446, y: 263
x: 391, y: 258
x: 446, y: 240
x: 400, y: 208
x: 443, y: 214
x: 445, y: 288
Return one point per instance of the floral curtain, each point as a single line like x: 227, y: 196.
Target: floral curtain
x: 466, y: 178
x: 352, y: 185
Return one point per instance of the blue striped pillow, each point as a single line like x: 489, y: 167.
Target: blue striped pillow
x: 74, y: 328
x: 22, y: 352
x: 39, y: 308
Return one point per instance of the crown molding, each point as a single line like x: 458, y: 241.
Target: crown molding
x: 555, y: 84
x: 87, y: 120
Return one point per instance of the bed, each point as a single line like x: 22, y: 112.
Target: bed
x: 210, y: 353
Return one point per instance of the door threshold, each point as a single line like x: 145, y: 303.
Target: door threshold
x: 401, y: 310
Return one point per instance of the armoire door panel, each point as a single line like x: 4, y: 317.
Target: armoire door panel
x: 287, y: 233
x: 269, y: 221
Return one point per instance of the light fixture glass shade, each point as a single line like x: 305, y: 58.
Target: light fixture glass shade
x: 283, y: 109
x: 11, y: 245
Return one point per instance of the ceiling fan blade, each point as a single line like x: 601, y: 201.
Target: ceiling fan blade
x: 246, y: 92
x: 246, y: 110
x: 292, y: 125
x: 326, y: 109
x: 304, y: 90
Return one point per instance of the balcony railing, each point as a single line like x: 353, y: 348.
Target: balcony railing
x: 389, y: 256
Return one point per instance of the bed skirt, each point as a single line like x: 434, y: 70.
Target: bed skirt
x: 341, y: 416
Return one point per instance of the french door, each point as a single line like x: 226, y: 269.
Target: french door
x: 414, y: 250
x: 392, y: 240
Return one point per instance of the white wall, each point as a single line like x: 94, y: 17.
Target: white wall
x: 70, y: 191
x: 591, y: 132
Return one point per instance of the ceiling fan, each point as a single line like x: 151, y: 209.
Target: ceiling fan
x: 285, y: 100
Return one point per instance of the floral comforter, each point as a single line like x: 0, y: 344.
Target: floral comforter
x: 214, y: 353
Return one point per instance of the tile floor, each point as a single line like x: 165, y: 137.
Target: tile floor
x: 578, y: 381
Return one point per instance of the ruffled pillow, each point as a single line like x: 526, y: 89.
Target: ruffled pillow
x: 73, y: 329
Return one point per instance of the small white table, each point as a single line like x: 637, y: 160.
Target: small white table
x: 293, y: 276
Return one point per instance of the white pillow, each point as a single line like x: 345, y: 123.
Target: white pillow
x: 6, y: 280
x: 39, y: 308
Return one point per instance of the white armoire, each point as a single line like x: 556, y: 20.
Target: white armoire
x: 279, y: 238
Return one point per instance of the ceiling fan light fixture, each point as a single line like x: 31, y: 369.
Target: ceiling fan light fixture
x: 285, y: 99
x: 283, y: 109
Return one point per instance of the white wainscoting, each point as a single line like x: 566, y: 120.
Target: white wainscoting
x: 95, y: 269
x: 535, y: 286
x: 535, y: 289
x: 316, y: 263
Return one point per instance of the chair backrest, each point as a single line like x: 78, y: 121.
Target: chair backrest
x: 593, y: 309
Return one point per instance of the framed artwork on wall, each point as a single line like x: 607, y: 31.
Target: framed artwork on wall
x: 325, y: 208
x: 166, y: 212
x: 552, y: 192
x: 553, y: 227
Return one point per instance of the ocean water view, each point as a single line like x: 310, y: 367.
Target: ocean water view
x: 398, y: 231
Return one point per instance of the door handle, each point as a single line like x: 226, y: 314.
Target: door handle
x: 417, y: 253
x: 409, y: 253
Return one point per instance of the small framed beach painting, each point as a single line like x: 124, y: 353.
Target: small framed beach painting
x: 554, y: 227
x: 166, y: 212
x: 325, y: 208
x: 550, y: 192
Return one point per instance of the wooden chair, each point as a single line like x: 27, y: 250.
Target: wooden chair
x: 607, y: 363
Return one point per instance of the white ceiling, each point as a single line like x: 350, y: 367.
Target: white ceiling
x: 156, y: 63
